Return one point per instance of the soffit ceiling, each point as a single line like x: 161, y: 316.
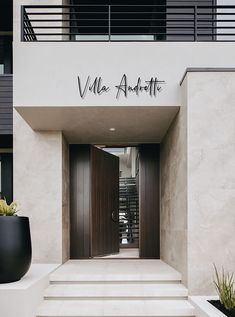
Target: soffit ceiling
x: 133, y: 125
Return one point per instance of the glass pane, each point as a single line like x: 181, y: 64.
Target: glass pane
x: 92, y: 37
x: 1, y: 69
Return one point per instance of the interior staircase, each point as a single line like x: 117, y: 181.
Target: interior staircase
x: 115, y: 288
x: 128, y: 212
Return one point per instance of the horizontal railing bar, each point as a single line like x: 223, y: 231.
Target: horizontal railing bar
x: 131, y: 40
x: 62, y: 13
x: 106, y: 5
x: 215, y: 27
x: 216, y: 13
x: 216, y: 7
x: 162, y: 12
x: 66, y: 20
x: 230, y: 21
x: 115, y: 26
x: 217, y: 34
x: 60, y: 34
x: 159, y: 13
x: 131, y: 5
x: 147, y: 34
x: 214, y: 20
x: 113, y: 13
x: 114, y: 19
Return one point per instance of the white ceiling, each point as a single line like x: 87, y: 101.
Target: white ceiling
x: 134, y: 124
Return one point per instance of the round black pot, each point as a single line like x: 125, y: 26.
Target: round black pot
x: 15, y: 248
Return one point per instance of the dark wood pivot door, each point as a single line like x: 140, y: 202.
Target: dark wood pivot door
x: 105, y: 203
x: 94, y: 202
x: 149, y: 200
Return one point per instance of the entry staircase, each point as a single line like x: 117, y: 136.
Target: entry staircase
x: 115, y: 288
x: 128, y: 212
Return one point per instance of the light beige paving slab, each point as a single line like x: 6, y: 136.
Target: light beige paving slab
x: 115, y: 291
x: 115, y: 308
x: 115, y: 270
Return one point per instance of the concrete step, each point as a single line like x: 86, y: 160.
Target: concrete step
x: 127, y: 308
x: 109, y: 271
x: 116, y: 291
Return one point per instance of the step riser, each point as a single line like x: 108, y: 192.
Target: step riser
x: 72, y: 282
x: 115, y: 308
x: 115, y: 298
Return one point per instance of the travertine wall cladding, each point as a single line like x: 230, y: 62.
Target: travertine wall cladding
x: 39, y: 187
x: 211, y: 177
x: 174, y: 193
x: 198, y: 181
x: 65, y: 202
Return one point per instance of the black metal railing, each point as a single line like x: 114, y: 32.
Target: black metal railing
x: 127, y: 23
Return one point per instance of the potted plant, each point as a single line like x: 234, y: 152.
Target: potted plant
x: 225, y: 286
x: 15, y: 243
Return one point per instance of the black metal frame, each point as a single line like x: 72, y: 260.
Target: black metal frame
x: 190, y: 23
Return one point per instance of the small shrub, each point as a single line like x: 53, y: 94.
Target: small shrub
x: 224, y: 283
x: 7, y: 210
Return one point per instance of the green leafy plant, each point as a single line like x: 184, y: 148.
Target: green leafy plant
x: 224, y: 283
x: 7, y: 210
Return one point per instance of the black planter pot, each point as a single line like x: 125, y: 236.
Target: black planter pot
x: 15, y: 248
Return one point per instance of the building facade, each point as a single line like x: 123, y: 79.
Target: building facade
x: 98, y: 75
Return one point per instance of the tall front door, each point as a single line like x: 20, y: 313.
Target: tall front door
x: 105, y: 203
x: 94, y: 199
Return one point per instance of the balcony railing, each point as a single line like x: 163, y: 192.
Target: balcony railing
x: 127, y: 23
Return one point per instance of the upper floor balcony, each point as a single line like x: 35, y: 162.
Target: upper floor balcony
x: 65, y: 50
x: 126, y: 23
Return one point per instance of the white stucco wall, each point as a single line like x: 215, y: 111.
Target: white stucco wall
x: 46, y: 73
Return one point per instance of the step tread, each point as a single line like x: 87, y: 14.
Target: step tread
x: 74, y: 308
x: 115, y: 270
x: 115, y: 290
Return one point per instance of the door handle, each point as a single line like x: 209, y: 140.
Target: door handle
x: 113, y: 217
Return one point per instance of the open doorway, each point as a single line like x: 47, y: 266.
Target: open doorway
x: 114, y: 208
x: 128, y: 200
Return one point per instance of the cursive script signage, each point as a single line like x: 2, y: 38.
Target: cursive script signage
x: 96, y: 86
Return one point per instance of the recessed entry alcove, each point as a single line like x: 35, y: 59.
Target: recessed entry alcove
x: 114, y: 175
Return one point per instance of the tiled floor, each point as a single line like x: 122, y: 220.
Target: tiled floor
x: 124, y: 253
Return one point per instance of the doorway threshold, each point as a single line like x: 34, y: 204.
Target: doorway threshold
x: 125, y: 253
